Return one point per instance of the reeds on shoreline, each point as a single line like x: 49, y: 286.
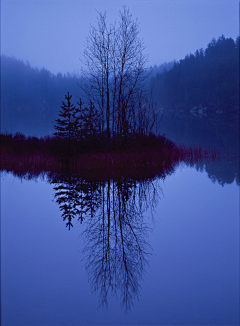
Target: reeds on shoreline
x: 147, y: 156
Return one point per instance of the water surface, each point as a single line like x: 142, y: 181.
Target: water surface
x: 182, y: 261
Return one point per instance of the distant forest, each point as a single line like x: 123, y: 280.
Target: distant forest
x: 30, y: 98
x: 206, y: 80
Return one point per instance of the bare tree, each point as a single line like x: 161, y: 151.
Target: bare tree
x: 115, y: 71
x: 98, y: 66
x: 131, y: 69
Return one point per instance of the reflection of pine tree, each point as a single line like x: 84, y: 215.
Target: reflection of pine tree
x: 76, y: 197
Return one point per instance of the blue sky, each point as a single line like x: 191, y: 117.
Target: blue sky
x: 51, y: 33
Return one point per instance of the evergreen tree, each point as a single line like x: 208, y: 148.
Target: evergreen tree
x: 78, y: 114
x: 85, y: 121
x: 90, y: 120
x: 66, y: 124
x: 206, y: 79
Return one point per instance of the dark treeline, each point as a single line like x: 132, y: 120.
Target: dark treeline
x: 31, y: 97
x: 166, y: 66
x: 206, y: 80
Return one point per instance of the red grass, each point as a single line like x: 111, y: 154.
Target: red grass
x: 142, y: 161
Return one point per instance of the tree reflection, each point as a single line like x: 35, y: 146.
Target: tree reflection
x: 75, y: 196
x: 116, y: 245
x: 116, y: 233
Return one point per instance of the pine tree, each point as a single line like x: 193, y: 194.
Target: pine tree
x: 78, y: 120
x: 90, y: 119
x: 65, y: 125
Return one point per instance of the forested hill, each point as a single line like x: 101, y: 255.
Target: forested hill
x: 30, y: 98
x: 207, y: 80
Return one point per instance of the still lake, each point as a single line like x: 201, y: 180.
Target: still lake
x: 175, y: 261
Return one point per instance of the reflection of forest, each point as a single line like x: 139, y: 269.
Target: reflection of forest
x: 222, y: 172
x: 115, y: 232
x: 218, y: 131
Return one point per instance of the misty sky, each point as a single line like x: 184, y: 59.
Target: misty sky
x: 51, y: 33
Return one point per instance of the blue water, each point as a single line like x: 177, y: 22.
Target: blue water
x: 192, y: 275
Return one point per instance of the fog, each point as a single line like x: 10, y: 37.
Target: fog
x: 51, y: 34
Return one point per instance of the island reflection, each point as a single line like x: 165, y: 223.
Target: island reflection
x: 117, y: 212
